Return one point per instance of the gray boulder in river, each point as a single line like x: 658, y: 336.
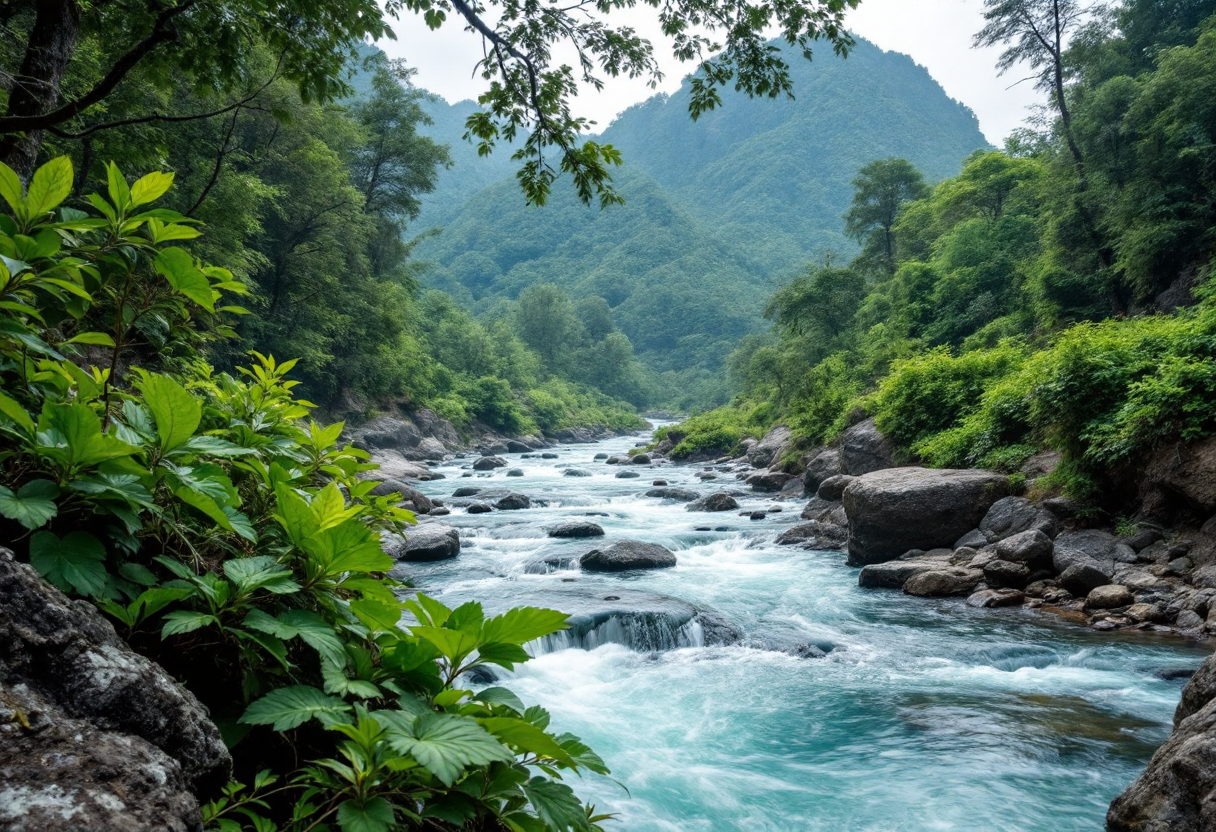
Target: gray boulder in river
x: 1177, y: 791
x: 897, y: 509
x: 432, y: 541
x: 628, y: 554
x: 92, y: 735
x: 720, y: 501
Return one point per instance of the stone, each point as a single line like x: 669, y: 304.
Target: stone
x: 658, y: 482
x: 825, y: 537
x: 514, y: 502
x: 1090, y: 546
x: 515, y: 472
x: 627, y: 475
x: 793, y: 489
x: 1180, y: 566
x: 479, y: 508
x: 489, y: 463
x: 616, y: 460
x: 431, y: 449
x: 640, y: 459
x: 1004, y: 573
x: 626, y: 555
x: 93, y: 736
x: 943, y: 582
x: 422, y: 503
x: 1143, y: 537
x: 1109, y: 597
x: 577, y: 528
x: 548, y: 455
x: 768, y: 450
x: 665, y: 493
x: 1031, y: 547
x: 818, y: 509
x: 768, y: 481
x: 439, y: 511
x: 427, y: 542
x: 515, y: 446
x: 394, y: 466
x: 467, y: 491
x: 833, y: 487
x: 1175, y: 791
x: 1146, y: 612
x: 974, y: 539
x: 721, y: 501
x: 1011, y: 515
x: 600, y: 456
x: 387, y: 432
x: 894, y: 510
x: 893, y: 574
x: 576, y: 472
x: 1188, y: 620
x: 1204, y: 576
x: 986, y: 598
x: 1185, y: 473
x: 824, y: 464
x: 1082, y: 577
x: 864, y: 449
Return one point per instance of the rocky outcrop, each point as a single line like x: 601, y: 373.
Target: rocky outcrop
x: 769, y: 449
x: 672, y: 493
x: 894, y: 510
x: 626, y: 555
x: 864, y: 449
x: 768, y: 481
x: 92, y: 735
x: 1177, y: 791
x: 721, y: 501
x: 433, y: 541
x: 1181, y: 477
x: 821, y: 465
x: 489, y: 463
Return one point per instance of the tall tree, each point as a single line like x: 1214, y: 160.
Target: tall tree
x: 881, y: 189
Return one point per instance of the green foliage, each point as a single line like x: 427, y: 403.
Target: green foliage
x: 716, y: 432
x: 236, y: 543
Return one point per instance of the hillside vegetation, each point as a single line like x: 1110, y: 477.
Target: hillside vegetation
x: 1042, y: 298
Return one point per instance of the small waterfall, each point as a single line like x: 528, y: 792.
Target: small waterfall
x: 644, y: 632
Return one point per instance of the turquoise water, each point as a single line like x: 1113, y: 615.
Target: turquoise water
x: 925, y: 715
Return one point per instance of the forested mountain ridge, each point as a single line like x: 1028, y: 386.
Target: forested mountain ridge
x: 717, y: 213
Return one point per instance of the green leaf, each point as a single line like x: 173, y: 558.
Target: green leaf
x: 503, y: 655
x: 33, y: 504
x: 260, y: 572
x: 10, y: 190
x: 316, y: 633
x: 75, y: 563
x: 120, y: 193
x: 16, y: 414
x: 526, y: 737
x: 71, y: 433
x: 555, y: 804
x: 150, y: 188
x: 500, y: 696
x: 137, y: 573
x: 523, y: 624
x: 205, y: 504
x: 179, y: 269
x: 582, y: 754
x: 290, y: 707
x: 96, y: 338
x: 453, y: 645
x: 176, y: 412
x: 374, y: 815
x: 49, y: 186
x: 446, y: 744
x: 186, y: 621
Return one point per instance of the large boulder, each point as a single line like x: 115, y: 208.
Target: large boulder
x: 1092, y: 547
x: 824, y: 464
x: 393, y: 466
x: 513, y: 502
x: 577, y: 528
x: 1177, y: 790
x: 432, y: 541
x: 626, y: 555
x: 768, y: 481
x: 939, y: 582
x: 1183, y: 475
x: 825, y: 537
x: 92, y: 735
x: 489, y: 463
x: 832, y: 489
x: 387, y: 432
x: 422, y: 503
x: 1030, y: 547
x: 768, y: 450
x: 893, y: 574
x: 863, y: 449
x: 684, y: 495
x: 1014, y: 515
x: 720, y: 501
x: 898, y: 509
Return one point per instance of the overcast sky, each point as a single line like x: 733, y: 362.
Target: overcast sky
x: 936, y: 33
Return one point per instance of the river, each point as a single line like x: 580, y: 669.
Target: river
x: 924, y: 714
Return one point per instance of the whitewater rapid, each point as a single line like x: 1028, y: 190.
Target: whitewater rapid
x: 923, y: 715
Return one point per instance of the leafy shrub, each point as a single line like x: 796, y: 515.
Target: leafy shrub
x: 234, y: 541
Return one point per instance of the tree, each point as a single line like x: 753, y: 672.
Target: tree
x: 528, y: 91
x: 545, y: 320
x: 880, y: 191
x: 1035, y: 32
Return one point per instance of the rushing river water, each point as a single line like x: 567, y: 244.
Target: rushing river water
x: 924, y: 715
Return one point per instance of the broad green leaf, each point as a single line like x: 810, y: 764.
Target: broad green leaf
x: 468, y: 617
x: 99, y: 339
x: 453, y: 645
x: 523, y: 624
x: 582, y: 754
x: 49, y: 186
x: 446, y: 744
x: 137, y: 573
x: 214, y: 446
x: 176, y: 412
x: 427, y: 610
x: 265, y: 622
x: 290, y: 707
x: 336, y: 681
x: 33, y: 504
x: 72, y: 434
x: 556, y: 804
x: 186, y: 621
x: 503, y: 655
x: 316, y: 633
x: 377, y: 615
x: 295, y: 515
x: 75, y: 563
x: 240, y: 523
x: 271, y: 644
x: 205, y: 504
x: 16, y: 414
x: 374, y: 815
x: 260, y: 572
x: 179, y: 269
x: 10, y: 190
x: 526, y: 737
x: 156, y: 599
x: 349, y: 547
x: 500, y: 696
x: 120, y: 192
x: 150, y: 188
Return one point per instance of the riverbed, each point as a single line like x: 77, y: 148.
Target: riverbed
x: 923, y: 714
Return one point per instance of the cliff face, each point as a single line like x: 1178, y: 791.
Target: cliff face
x: 93, y: 735
x: 1177, y: 791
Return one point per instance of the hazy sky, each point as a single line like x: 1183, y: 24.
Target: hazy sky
x: 936, y: 33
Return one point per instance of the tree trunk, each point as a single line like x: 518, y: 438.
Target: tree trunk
x: 35, y: 90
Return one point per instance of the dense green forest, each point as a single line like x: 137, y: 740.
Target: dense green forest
x: 1055, y: 294
x: 716, y: 213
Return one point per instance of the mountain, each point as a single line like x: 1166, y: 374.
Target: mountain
x: 717, y: 214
